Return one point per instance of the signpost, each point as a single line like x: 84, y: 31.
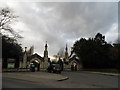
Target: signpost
x: 10, y: 63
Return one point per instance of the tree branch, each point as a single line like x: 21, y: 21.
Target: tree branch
x: 7, y: 17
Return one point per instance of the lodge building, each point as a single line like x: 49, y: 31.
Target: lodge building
x: 71, y: 62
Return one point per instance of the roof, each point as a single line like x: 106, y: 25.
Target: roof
x: 35, y: 56
x: 74, y: 57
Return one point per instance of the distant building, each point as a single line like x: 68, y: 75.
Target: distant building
x: 30, y: 58
x: 71, y: 62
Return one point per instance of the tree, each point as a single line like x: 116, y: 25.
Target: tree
x: 100, y: 38
x: 6, y: 18
x: 95, y: 52
x: 10, y: 46
x: 10, y: 49
x: 60, y: 53
x: 114, y: 54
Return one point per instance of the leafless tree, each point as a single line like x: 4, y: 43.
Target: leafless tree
x: 6, y: 18
x: 61, y: 52
x: 55, y: 56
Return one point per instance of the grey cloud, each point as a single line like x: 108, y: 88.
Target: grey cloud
x: 85, y: 18
x: 64, y: 22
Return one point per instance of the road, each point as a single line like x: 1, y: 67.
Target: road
x: 76, y: 80
x: 84, y: 80
x: 14, y: 83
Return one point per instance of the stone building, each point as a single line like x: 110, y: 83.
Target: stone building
x: 30, y: 58
x: 71, y: 62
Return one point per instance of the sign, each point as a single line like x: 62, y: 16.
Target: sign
x: 10, y: 60
x: 11, y: 65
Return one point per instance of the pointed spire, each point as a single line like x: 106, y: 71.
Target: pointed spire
x: 46, y: 44
x: 45, y: 51
x: 66, y: 53
x: 66, y: 47
x: 25, y: 49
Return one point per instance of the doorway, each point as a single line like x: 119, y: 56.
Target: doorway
x: 36, y: 63
x: 74, y: 66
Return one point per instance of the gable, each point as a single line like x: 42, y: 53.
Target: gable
x: 35, y: 56
x: 74, y: 58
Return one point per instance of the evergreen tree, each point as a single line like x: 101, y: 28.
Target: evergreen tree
x: 96, y: 52
x: 10, y: 49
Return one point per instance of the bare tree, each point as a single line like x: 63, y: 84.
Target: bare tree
x: 61, y: 53
x: 6, y: 18
x: 55, y: 56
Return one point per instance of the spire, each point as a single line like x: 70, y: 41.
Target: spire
x: 46, y: 44
x: 66, y: 50
x: 66, y: 53
x: 25, y: 49
x: 66, y: 47
x: 45, y: 51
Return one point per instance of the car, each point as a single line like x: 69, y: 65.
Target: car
x: 55, y: 68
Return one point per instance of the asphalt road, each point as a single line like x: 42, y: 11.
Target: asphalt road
x: 90, y: 80
x: 76, y: 80
x: 14, y: 83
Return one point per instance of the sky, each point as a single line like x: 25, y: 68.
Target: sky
x: 61, y: 23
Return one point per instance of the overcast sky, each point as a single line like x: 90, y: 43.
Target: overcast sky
x: 63, y: 22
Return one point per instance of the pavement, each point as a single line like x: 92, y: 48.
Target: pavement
x: 35, y: 76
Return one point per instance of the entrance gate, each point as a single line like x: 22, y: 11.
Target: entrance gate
x: 36, y: 62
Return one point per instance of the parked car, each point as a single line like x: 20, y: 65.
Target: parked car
x: 55, y: 68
